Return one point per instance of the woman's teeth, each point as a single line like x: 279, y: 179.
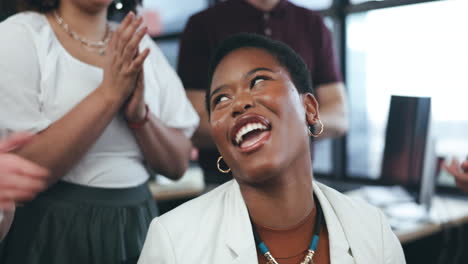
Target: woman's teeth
x: 247, y: 129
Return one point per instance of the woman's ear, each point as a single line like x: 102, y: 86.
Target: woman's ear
x: 311, y: 108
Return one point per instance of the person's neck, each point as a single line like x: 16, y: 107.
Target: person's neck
x: 90, y: 25
x: 264, y: 5
x: 285, y: 200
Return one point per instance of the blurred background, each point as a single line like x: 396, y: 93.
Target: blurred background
x: 415, y: 48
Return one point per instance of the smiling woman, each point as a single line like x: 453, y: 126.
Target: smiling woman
x: 262, y: 111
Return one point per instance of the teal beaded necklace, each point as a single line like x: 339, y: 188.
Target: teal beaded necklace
x: 313, y: 244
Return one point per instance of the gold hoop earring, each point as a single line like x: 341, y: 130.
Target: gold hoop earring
x: 319, y: 133
x: 219, y: 167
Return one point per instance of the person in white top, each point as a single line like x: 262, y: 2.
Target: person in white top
x: 105, y: 105
x: 261, y: 112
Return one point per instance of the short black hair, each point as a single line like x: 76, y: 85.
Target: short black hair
x: 285, y: 56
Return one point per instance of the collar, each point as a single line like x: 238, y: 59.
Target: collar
x: 239, y: 236
x: 340, y: 251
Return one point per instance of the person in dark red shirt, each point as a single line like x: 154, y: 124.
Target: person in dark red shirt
x: 300, y: 28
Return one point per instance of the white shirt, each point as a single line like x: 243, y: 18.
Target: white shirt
x: 215, y: 228
x: 40, y: 82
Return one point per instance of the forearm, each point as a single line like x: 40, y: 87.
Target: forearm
x: 202, y: 137
x: 333, y: 109
x: 167, y: 150
x: 334, y: 120
x: 64, y: 143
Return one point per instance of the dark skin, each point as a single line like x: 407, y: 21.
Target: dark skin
x: 276, y: 174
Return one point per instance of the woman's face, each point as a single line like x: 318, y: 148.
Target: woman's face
x: 258, y: 119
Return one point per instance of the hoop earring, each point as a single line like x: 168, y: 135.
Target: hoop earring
x: 219, y: 167
x: 319, y: 133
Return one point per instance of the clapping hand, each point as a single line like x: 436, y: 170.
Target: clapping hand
x: 135, y: 110
x: 124, y: 62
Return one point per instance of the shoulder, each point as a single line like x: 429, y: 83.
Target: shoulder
x: 203, y: 210
x: 217, y: 10
x: 198, y: 220
x: 213, y: 13
x: 207, y: 205
x: 31, y: 22
x: 299, y: 10
x: 365, y: 227
x: 354, y: 215
x: 23, y: 33
x: 310, y: 18
x: 23, y: 38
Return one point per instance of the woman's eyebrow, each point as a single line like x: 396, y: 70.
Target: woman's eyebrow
x: 221, y: 87
x: 256, y: 70
x: 218, y: 89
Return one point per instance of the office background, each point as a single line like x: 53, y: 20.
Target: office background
x: 386, y: 47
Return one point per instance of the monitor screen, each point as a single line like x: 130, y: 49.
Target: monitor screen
x: 409, y: 149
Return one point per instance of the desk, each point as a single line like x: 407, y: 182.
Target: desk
x: 445, y: 212
x: 442, y: 236
x: 412, y: 220
x: 443, y: 241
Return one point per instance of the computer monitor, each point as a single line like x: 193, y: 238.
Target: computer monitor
x: 409, y: 158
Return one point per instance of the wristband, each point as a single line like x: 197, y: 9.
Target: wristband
x: 139, y: 124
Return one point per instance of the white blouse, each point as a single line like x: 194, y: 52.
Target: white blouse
x: 40, y: 82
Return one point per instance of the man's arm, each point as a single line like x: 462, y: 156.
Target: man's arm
x: 333, y: 109
x: 202, y: 137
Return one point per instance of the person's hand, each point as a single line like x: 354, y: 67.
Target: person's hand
x: 123, y: 61
x: 460, y: 172
x: 20, y: 179
x: 135, y: 109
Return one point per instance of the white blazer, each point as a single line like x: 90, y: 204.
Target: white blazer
x: 215, y: 228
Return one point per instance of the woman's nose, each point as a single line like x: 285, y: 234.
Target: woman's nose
x: 243, y: 102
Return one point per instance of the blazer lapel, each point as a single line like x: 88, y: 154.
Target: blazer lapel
x: 237, y: 230
x: 340, y: 251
